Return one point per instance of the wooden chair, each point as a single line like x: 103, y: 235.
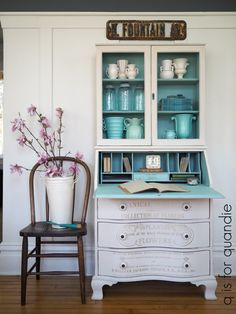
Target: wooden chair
x: 39, y: 230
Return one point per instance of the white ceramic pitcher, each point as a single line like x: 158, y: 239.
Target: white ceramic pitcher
x: 131, y: 71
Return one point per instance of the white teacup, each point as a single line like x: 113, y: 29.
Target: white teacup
x: 112, y: 71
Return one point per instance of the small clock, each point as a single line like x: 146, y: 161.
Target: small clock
x: 153, y: 161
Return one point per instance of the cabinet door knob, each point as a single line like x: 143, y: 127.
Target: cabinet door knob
x: 186, y: 206
x: 123, y: 207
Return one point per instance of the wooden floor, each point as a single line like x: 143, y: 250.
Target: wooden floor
x: 61, y: 295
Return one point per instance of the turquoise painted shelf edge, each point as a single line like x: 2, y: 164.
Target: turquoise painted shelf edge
x: 194, y: 192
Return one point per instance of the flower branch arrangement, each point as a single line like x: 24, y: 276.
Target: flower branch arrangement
x: 48, y: 144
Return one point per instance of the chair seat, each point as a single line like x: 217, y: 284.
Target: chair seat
x: 44, y: 229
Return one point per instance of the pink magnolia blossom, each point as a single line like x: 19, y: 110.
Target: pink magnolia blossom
x: 79, y: 155
x: 43, y: 159
x: 47, y: 140
x: 73, y: 169
x: 31, y: 110
x: 22, y: 140
x: 59, y: 112
x: 54, y: 171
x: 42, y: 133
x: 48, y: 144
x: 17, y: 124
x: 45, y: 122
x: 16, y: 169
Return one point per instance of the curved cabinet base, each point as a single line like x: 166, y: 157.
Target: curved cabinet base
x: 97, y: 285
x: 210, y: 287
x: 99, y: 281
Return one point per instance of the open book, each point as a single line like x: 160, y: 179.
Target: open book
x: 141, y: 186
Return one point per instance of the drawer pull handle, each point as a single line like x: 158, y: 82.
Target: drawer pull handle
x: 123, y: 236
x: 123, y: 265
x: 186, y: 236
x: 186, y: 206
x: 186, y: 265
x: 123, y: 207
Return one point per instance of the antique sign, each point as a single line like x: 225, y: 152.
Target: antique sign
x: 146, y: 30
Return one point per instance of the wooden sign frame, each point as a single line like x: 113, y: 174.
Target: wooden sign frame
x: 146, y: 30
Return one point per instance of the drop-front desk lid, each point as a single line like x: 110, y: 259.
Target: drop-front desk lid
x: 199, y: 191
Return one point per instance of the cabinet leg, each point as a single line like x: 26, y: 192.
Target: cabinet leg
x: 97, y: 285
x: 210, y: 287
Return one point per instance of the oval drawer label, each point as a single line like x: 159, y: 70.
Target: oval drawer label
x: 117, y: 235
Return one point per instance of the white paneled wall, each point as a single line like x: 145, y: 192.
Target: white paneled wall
x: 49, y: 60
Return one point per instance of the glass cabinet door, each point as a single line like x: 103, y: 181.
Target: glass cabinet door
x: 178, y: 95
x: 123, y: 95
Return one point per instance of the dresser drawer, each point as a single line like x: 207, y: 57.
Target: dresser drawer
x: 153, y: 234
x: 152, y: 209
x: 153, y: 263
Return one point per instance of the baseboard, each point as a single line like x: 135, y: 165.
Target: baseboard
x: 10, y: 259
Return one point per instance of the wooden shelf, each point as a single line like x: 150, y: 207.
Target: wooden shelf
x: 123, y: 112
x: 162, y: 112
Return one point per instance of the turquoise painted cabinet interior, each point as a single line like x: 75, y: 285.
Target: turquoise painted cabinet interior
x: 178, y: 96
x: 171, y: 109
x: 123, y: 95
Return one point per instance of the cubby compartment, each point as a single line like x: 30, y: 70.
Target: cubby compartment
x: 116, y: 165
x: 173, y: 162
x: 126, y: 166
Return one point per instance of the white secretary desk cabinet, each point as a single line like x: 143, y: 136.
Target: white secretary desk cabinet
x: 151, y: 235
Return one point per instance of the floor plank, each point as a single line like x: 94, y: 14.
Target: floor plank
x: 61, y: 295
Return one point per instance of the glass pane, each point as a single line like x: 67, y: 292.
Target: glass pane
x: 178, y: 95
x: 123, y: 95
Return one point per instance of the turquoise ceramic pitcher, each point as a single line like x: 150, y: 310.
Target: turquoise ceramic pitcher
x: 183, y: 125
x: 114, y: 127
x: 134, y: 128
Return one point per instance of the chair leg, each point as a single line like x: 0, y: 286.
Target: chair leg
x: 24, y: 267
x: 81, y: 269
x: 38, y: 251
